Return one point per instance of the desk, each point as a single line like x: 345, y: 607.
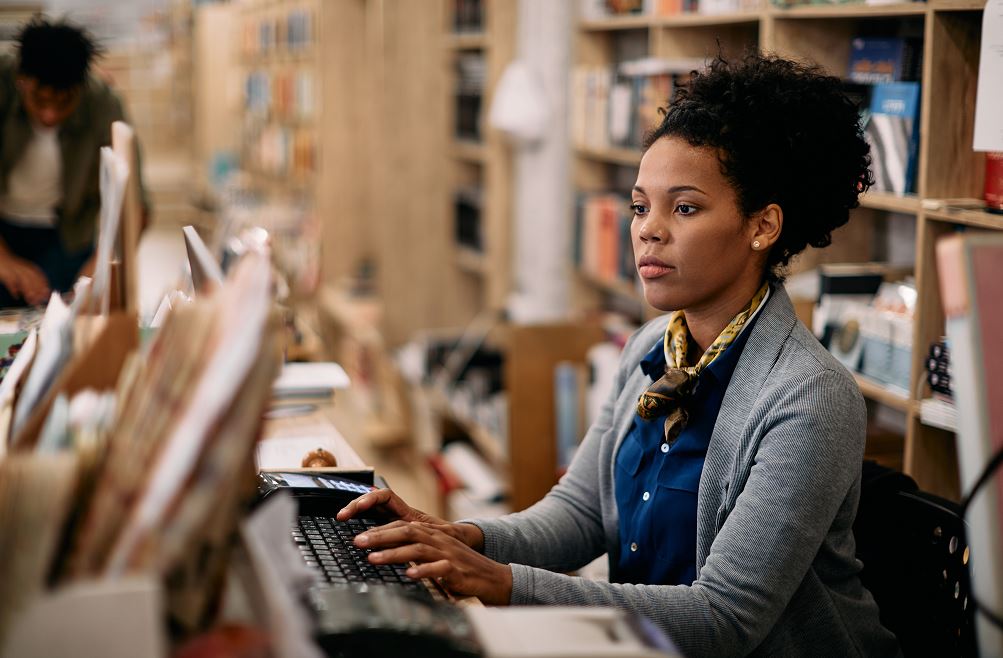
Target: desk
x: 341, y: 418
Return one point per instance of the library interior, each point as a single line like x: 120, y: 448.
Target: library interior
x: 501, y: 328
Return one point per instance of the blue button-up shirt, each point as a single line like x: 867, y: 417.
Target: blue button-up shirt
x: 656, y: 485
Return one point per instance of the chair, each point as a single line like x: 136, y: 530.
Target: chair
x: 915, y: 556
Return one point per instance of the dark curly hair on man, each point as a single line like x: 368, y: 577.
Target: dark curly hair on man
x: 57, y: 54
x: 786, y: 134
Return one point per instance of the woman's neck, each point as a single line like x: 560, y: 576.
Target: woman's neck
x: 705, y: 323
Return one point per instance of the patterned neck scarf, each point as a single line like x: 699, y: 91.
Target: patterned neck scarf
x: 669, y: 395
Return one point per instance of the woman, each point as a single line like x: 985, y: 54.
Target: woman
x: 723, y: 473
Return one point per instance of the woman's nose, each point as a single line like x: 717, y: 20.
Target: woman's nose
x: 651, y: 230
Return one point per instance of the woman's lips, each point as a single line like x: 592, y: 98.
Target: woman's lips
x: 650, y: 267
x: 653, y: 271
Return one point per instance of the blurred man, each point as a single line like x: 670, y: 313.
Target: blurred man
x: 54, y: 117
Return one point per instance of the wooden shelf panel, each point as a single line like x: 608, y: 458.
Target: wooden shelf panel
x: 958, y: 5
x: 637, y: 22
x: 851, y: 10
x: 621, y: 288
x: 629, y: 22
x: 304, y: 56
x: 873, y: 390
x: 489, y: 445
x: 470, y: 260
x: 965, y: 217
x: 619, y: 156
x: 471, y: 41
x: 908, y: 204
x: 697, y: 20
x: 465, y: 149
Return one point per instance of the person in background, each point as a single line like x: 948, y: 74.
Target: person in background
x: 723, y: 472
x: 54, y: 118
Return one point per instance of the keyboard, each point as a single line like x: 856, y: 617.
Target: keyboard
x: 326, y: 546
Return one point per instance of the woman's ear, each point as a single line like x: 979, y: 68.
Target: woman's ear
x: 767, y: 224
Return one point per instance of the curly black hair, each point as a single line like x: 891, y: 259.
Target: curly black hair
x: 57, y: 54
x: 786, y: 134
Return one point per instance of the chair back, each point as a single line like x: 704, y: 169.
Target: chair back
x: 915, y: 557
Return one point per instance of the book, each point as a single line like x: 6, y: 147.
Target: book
x: 601, y: 246
x: 892, y: 130
x: 971, y: 282
x: 879, y: 60
x: 316, y: 379
x: 569, y: 412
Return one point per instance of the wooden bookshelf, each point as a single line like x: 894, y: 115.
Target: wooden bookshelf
x: 947, y: 167
x: 470, y: 260
x: 298, y: 114
x: 491, y: 447
x: 478, y: 41
x: 908, y: 204
x: 619, y: 156
x: 615, y: 287
x: 629, y: 22
x: 966, y: 217
x: 878, y: 392
x: 850, y: 10
x: 469, y: 151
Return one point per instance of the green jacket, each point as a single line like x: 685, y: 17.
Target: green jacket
x: 81, y: 137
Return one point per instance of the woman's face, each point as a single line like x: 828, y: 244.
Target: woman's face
x: 691, y: 242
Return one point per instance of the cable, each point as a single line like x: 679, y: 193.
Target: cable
x: 983, y: 478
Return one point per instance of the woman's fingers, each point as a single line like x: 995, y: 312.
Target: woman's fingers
x: 440, y: 570
x: 394, y: 534
x: 438, y: 554
x: 379, y: 498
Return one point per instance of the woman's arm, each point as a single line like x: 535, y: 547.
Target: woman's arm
x: 806, y: 463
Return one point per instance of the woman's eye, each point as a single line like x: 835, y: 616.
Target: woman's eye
x: 685, y: 209
x: 638, y: 209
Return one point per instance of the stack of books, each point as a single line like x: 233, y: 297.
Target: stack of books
x: 123, y: 463
x: 602, y: 246
x: 615, y: 107
x: 885, y: 72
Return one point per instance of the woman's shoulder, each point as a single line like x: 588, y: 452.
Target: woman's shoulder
x: 809, y: 382
x: 799, y: 359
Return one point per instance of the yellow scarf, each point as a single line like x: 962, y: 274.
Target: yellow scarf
x: 669, y: 395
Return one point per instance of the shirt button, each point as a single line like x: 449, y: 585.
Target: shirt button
x: 646, y: 496
x: 665, y: 447
x: 633, y: 547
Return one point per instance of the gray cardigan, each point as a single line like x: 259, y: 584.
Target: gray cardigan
x: 776, y: 572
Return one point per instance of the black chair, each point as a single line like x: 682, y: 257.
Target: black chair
x: 915, y: 557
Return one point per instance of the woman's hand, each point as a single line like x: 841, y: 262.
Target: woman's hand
x: 442, y: 555
x: 387, y: 502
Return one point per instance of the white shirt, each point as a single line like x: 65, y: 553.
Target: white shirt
x: 35, y: 186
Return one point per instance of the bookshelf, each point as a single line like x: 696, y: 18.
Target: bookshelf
x: 479, y: 42
x: 949, y: 174
x: 299, y: 100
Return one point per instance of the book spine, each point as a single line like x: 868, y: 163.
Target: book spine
x: 567, y: 408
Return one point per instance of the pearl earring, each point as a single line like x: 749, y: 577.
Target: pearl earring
x: 755, y: 244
